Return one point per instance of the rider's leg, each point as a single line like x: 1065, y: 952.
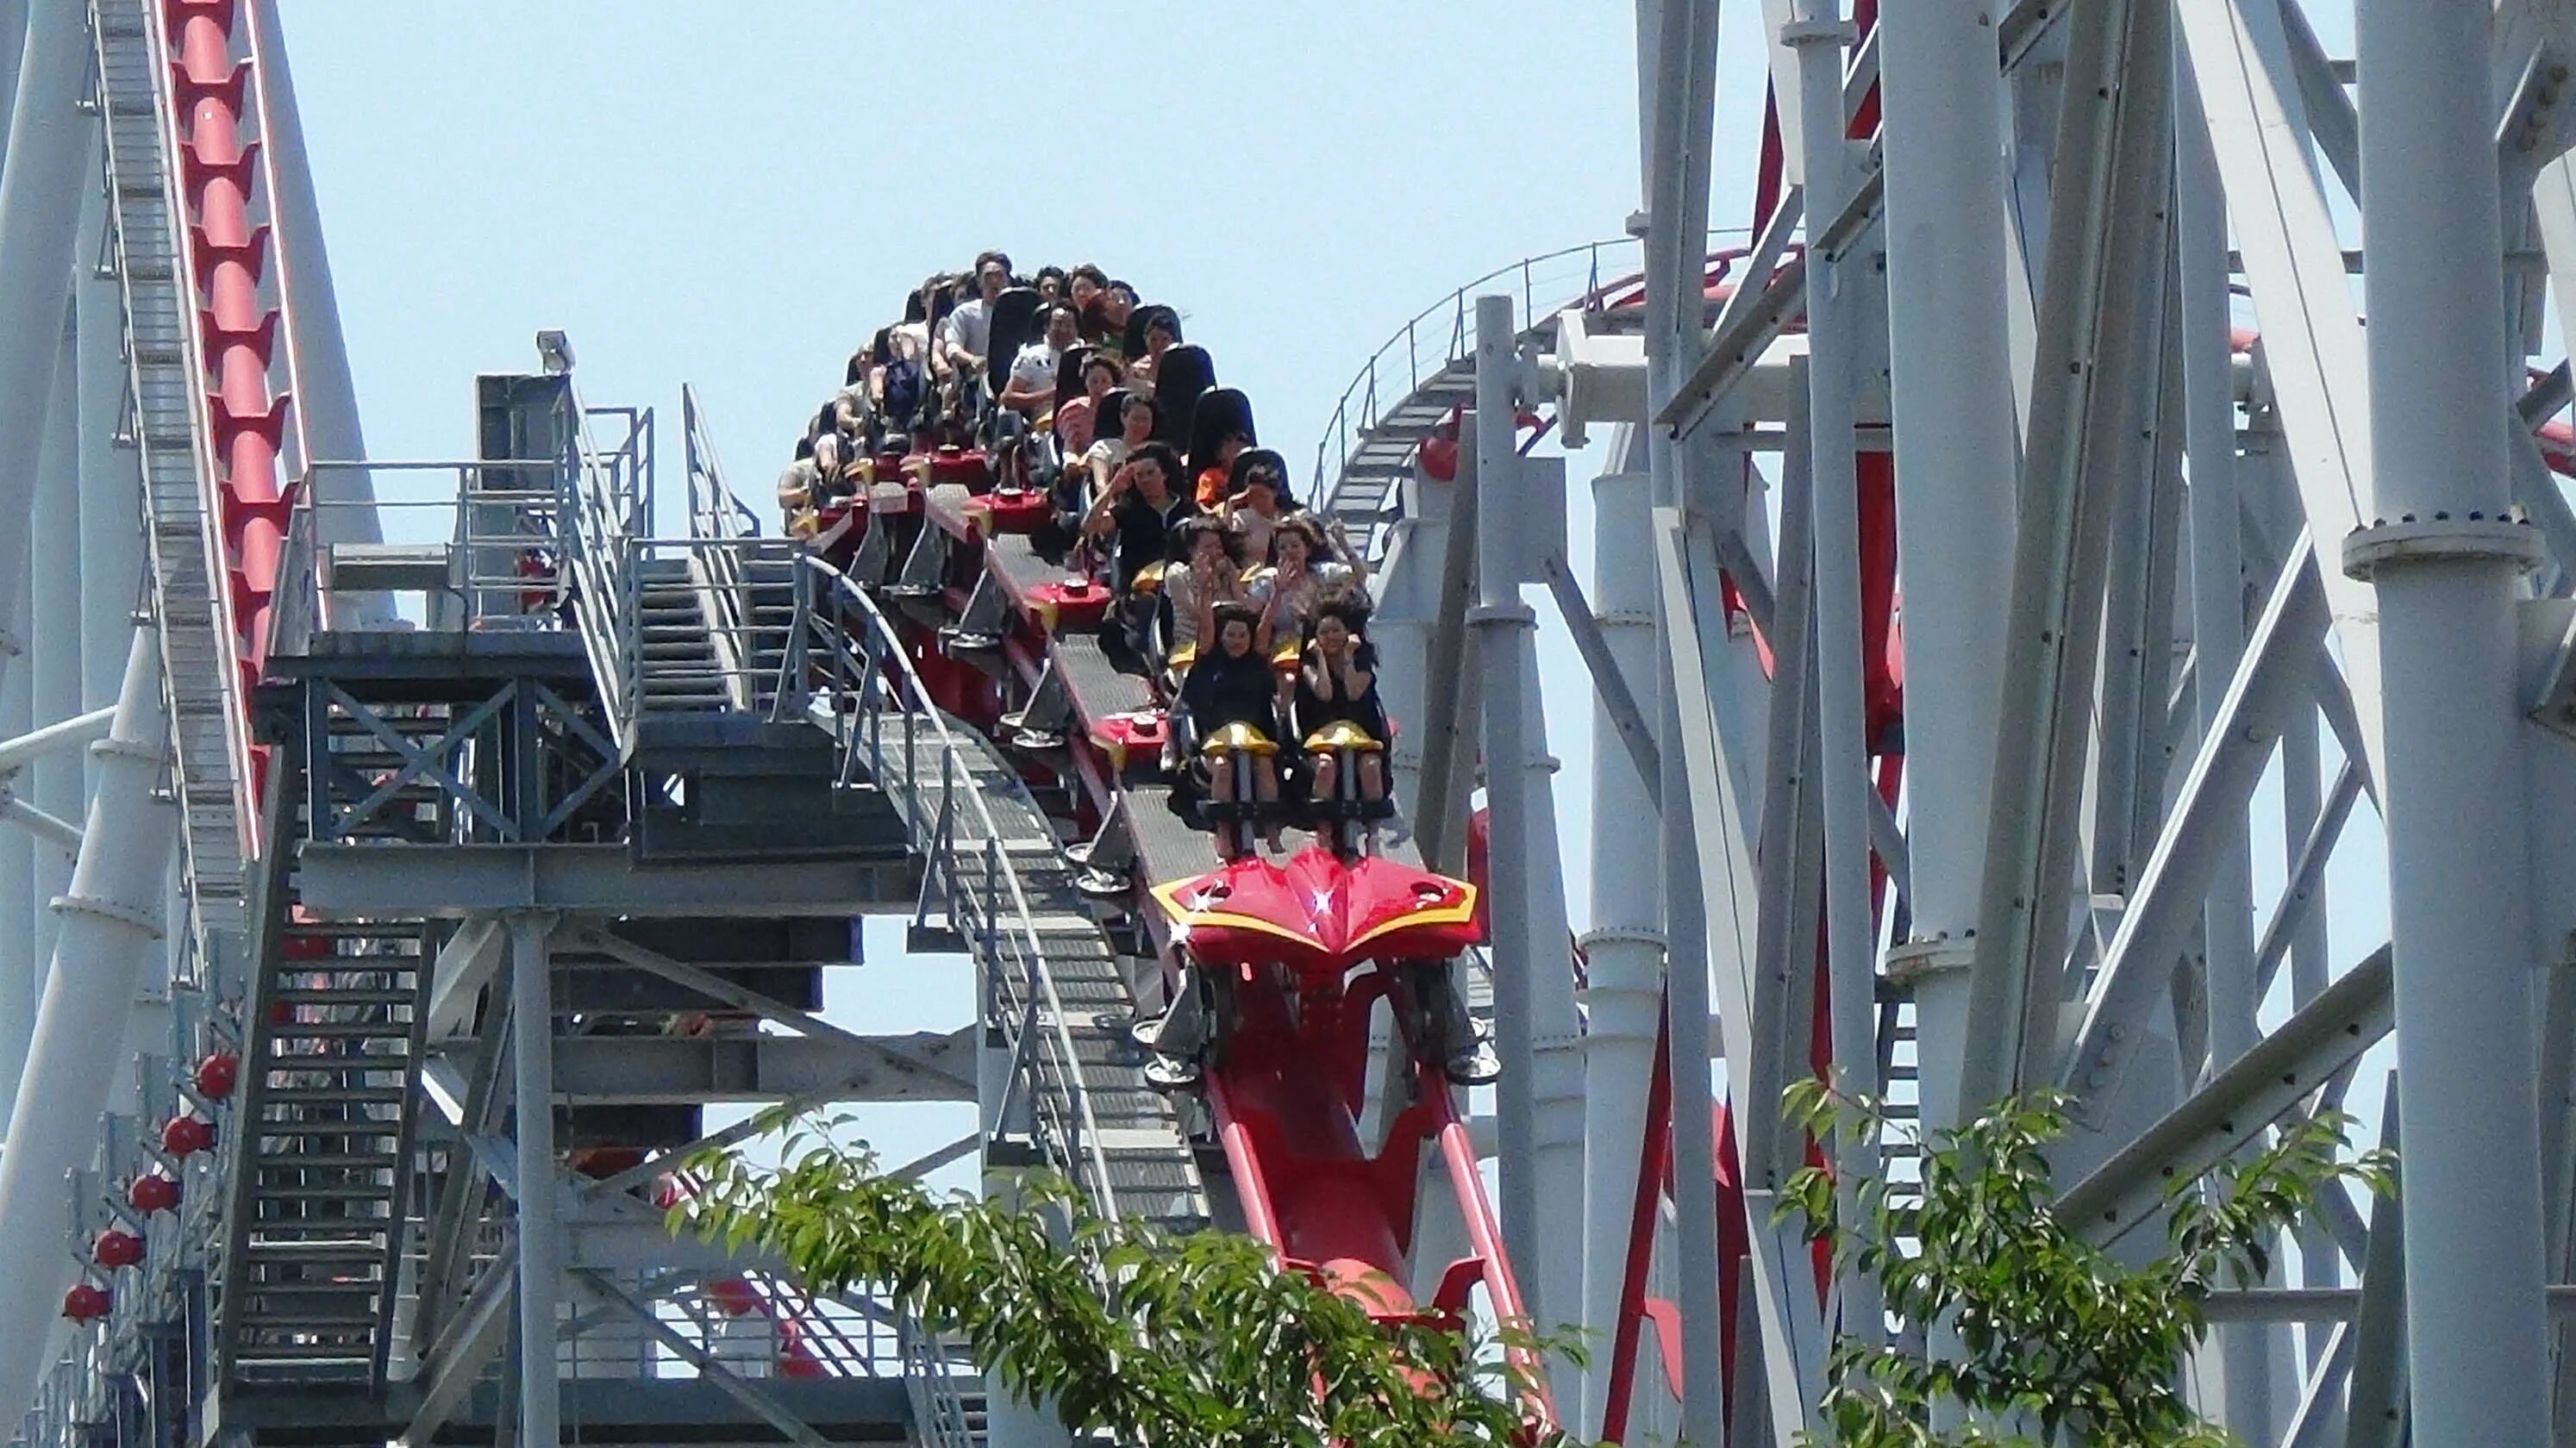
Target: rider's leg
x: 1450, y: 1035
x: 1372, y: 776
x: 1221, y: 792
x: 1325, y: 765
x: 1265, y: 790
x: 1180, y: 1037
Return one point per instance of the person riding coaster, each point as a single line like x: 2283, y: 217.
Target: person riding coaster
x: 1230, y: 709
x: 1206, y: 574
x: 1336, y: 712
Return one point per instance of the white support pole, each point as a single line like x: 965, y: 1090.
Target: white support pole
x: 1556, y: 1035
x: 1950, y: 359
x: 1818, y: 33
x: 26, y: 747
x: 111, y: 931
x: 2320, y: 1264
x: 54, y: 626
x: 39, y: 222
x: 1624, y: 950
x: 1500, y: 625
x: 2217, y: 608
x: 2476, y: 1324
x: 1675, y: 120
x: 111, y: 476
x: 13, y: 45
x: 540, y: 1284
x: 17, y: 889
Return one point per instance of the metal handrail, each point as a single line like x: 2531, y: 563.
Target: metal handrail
x: 1442, y: 335
x: 869, y: 667
x: 716, y: 515
x: 600, y: 522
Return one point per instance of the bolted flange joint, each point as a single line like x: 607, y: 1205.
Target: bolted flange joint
x: 2442, y: 537
x: 1911, y: 960
x: 1836, y: 31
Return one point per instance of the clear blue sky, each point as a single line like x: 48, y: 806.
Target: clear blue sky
x: 736, y: 195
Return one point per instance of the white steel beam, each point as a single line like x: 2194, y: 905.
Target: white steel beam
x: 40, y: 179
x: 2098, y: 360
x: 2443, y: 571
x: 111, y: 929
x: 541, y: 1247
x: 2312, y: 339
x: 1950, y: 364
x: 17, y: 884
x: 77, y: 732
x: 1817, y: 33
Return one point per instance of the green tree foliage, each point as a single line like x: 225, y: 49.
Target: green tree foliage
x: 2051, y: 1333
x: 1198, y: 1340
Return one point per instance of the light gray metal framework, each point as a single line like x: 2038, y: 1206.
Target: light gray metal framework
x: 2050, y: 325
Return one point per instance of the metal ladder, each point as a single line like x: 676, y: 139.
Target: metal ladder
x: 206, y: 713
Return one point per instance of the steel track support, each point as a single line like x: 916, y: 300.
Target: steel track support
x: 111, y: 931
x: 54, y: 623
x: 40, y: 200
x: 1676, y: 113
x: 2218, y: 639
x: 540, y: 1280
x: 1818, y: 34
x: 2098, y: 353
x: 111, y: 563
x: 17, y: 880
x: 1950, y: 360
x: 1625, y: 947
x: 2457, y: 852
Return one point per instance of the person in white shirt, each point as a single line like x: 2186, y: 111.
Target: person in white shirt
x: 1109, y: 452
x: 968, y: 331
x: 1031, y: 388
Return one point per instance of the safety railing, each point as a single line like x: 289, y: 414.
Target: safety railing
x: 1444, y: 333
x: 607, y: 502
x: 717, y: 516
x: 931, y: 1371
x: 888, y: 731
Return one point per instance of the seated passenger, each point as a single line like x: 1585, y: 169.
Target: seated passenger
x: 1077, y: 423
x: 1300, y: 575
x: 1256, y: 500
x: 1208, y: 576
x: 1031, y: 388
x: 1139, y: 509
x: 798, y: 488
x: 1117, y: 304
x: 1162, y: 334
x: 1083, y: 285
x: 968, y: 331
x: 1217, y: 478
x: 1228, y: 685
x: 1337, y: 684
x: 1049, y: 283
x: 1110, y: 453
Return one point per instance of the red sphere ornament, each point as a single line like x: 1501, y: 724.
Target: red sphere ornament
x: 187, y: 1135
x: 218, y: 1074
x: 85, y: 1303
x: 152, y: 1192
x: 115, y: 1248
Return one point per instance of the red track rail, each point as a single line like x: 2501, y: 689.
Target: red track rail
x: 238, y: 323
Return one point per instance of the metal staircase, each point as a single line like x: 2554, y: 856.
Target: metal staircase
x: 196, y: 638
x: 677, y: 663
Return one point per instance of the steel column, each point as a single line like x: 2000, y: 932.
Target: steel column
x: 540, y: 1282
x: 111, y: 931
x: 111, y: 474
x: 1950, y: 363
x: 2218, y: 640
x: 17, y: 882
x: 2476, y: 1321
x: 1624, y: 949
x: 1500, y: 624
x: 54, y: 625
x: 40, y: 178
x: 1817, y: 32
x: 1676, y: 117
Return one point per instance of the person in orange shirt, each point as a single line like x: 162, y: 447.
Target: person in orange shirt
x: 1216, y: 480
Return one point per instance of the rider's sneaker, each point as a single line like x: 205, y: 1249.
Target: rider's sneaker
x: 1475, y: 1066
x: 1100, y: 884
x: 1165, y: 1073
